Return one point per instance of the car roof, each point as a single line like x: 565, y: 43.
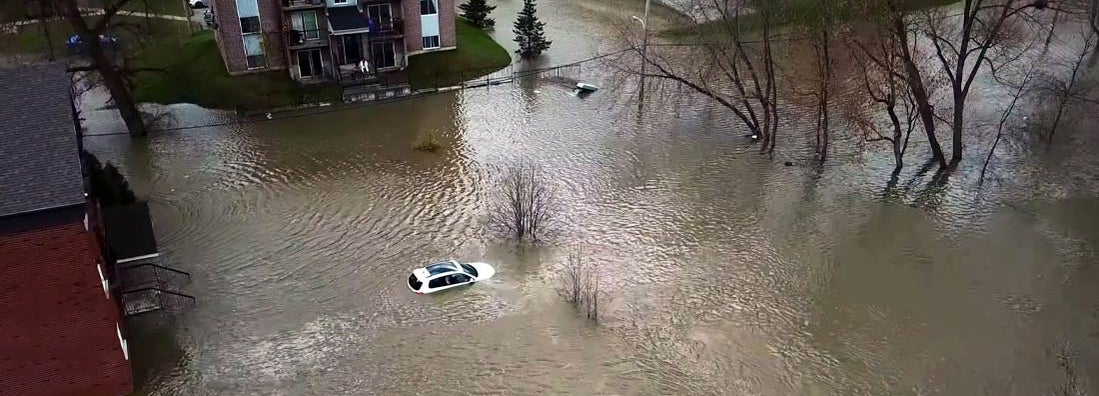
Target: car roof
x: 443, y: 267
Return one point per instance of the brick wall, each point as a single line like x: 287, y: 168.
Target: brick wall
x: 411, y: 11
x: 447, y: 13
x: 231, y: 43
x: 413, y: 35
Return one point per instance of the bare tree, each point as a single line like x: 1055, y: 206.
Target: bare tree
x: 1066, y: 83
x: 821, y: 33
x: 1066, y: 359
x: 964, y: 47
x: 525, y: 201
x: 1093, y: 22
x: 113, y: 75
x: 892, y: 17
x: 580, y: 285
x: 1019, y: 89
x: 725, y: 61
x: 886, y: 87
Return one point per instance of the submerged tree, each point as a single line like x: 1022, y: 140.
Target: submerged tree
x: 1019, y: 89
x: 886, y: 88
x: 821, y: 26
x: 1066, y: 84
x: 525, y: 202
x: 727, y: 61
x: 892, y: 18
x: 964, y: 47
x: 529, y: 32
x: 476, y: 11
x: 580, y: 286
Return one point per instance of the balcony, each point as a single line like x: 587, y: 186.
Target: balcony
x: 301, y: 39
x: 290, y: 5
x: 390, y: 74
x: 390, y: 27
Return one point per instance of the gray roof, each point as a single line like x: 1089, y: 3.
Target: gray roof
x: 39, y: 151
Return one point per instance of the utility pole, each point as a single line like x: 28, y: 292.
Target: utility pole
x: 644, y: 52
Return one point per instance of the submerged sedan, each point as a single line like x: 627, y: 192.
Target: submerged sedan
x: 446, y: 275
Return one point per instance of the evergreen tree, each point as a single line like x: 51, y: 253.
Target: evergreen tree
x: 477, y: 11
x: 528, y: 32
x: 108, y: 185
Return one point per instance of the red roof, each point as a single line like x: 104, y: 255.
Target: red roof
x: 58, y: 331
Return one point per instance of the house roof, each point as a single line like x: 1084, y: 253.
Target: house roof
x: 59, y: 333
x: 129, y: 230
x: 347, y: 18
x: 39, y: 151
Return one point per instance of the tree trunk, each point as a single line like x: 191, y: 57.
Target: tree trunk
x: 1057, y: 118
x: 1052, y: 27
x: 956, y: 128
x: 112, y: 76
x: 919, y: 93
x: 824, y: 80
x: 898, y: 149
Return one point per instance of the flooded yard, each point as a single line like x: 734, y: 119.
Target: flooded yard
x: 729, y: 272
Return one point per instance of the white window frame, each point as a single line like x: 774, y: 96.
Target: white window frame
x: 103, y: 280
x: 387, y: 5
x: 122, y: 341
x: 340, y: 2
x: 438, y: 42
x: 434, y: 3
x: 245, y: 43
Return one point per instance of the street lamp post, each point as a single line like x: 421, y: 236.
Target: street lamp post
x: 644, y: 51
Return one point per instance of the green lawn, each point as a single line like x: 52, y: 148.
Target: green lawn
x: 789, y: 12
x: 167, y: 7
x: 136, y: 32
x: 193, y: 69
x: 477, y: 55
x: 195, y: 74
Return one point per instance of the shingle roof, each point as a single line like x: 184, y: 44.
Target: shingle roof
x: 58, y: 335
x: 39, y: 152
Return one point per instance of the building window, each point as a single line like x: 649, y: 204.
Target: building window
x: 427, y: 7
x: 249, y: 25
x: 431, y: 42
x: 383, y: 55
x: 253, y: 50
x: 340, y: 1
x: 257, y: 61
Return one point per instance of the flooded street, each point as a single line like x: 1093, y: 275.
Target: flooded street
x: 728, y: 272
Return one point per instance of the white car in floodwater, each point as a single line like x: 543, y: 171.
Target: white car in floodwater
x: 446, y: 275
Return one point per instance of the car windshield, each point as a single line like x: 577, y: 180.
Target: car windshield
x: 414, y: 283
x: 440, y: 268
x: 470, y: 270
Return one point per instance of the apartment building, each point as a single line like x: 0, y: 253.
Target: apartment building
x: 346, y: 41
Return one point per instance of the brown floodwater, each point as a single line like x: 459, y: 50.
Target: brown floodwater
x: 728, y: 272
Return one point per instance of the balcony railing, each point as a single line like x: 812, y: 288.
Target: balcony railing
x: 349, y: 74
x: 387, y: 27
x: 298, y: 39
x: 301, y: 4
